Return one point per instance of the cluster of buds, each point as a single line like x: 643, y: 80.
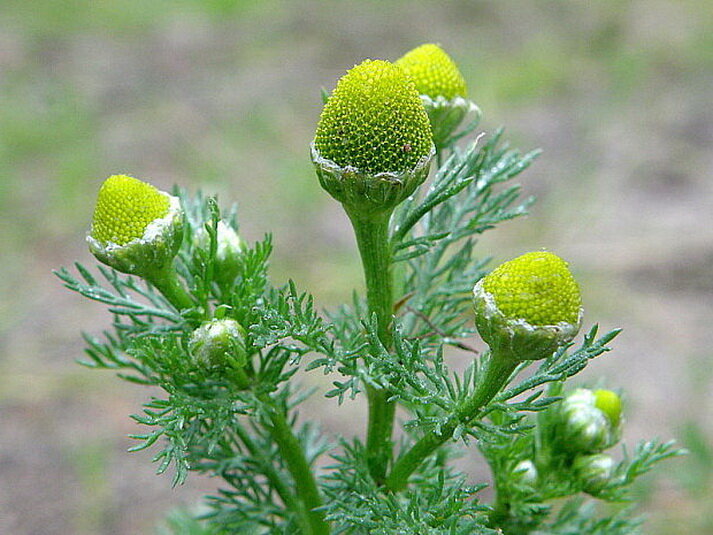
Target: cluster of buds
x: 586, y: 423
x: 138, y: 230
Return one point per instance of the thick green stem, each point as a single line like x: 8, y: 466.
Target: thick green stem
x: 166, y: 281
x: 497, y: 371
x: 293, y: 454
x: 372, y: 235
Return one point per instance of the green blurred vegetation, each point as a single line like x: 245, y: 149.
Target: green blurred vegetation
x: 224, y: 95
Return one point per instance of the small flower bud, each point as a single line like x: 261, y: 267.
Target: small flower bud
x: 593, y: 471
x: 218, y: 343
x: 373, y: 144
x: 136, y: 229
x: 583, y: 427
x: 442, y: 88
x: 525, y: 472
x: 230, y: 248
x: 527, y: 307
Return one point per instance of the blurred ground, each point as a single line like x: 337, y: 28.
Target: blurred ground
x: 224, y: 96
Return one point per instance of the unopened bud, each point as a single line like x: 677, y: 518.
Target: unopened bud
x: 583, y: 427
x: 593, y: 471
x: 218, y: 343
x: 525, y: 472
x: 230, y: 248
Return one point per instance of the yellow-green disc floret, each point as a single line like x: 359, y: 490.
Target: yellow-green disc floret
x: 374, y: 121
x: 536, y: 287
x: 434, y: 72
x: 609, y: 403
x: 125, y: 207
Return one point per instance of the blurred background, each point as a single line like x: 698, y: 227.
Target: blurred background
x: 224, y: 96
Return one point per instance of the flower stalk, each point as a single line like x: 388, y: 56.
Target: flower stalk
x: 372, y: 235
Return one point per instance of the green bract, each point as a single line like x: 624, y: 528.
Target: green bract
x: 433, y: 71
x: 136, y: 229
x: 374, y: 121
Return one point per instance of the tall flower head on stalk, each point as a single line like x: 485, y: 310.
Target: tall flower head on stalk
x: 136, y: 229
x: 442, y: 88
x: 373, y: 144
x: 528, y: 307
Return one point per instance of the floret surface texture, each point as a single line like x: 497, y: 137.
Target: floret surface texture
x: 434, y: 72
x: 536, y: 287
x: 374, y: 121
x: 125, y: 207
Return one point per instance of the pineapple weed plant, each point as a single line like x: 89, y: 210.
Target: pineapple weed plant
x: 195, y: 314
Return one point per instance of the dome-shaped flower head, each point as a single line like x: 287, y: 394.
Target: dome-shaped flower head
x: 136, y: 228
x: 434, y: 72
x: 373, y: 142
x: 528, y: 306
x: 442, y: 89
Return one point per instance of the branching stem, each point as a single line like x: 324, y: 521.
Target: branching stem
x: 372, y: 235
x: 497, y: 371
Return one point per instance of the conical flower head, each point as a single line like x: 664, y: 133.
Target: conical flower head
x: 529, y: 306
x: 537, y: 288
x: 374, y: 121
x: 125, y: 207
x: 136, y: 229
x: 434, y: 72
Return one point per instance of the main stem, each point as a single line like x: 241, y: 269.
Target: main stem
x: 372, y: 235
x: 495, y: 375
x: 305, y: 484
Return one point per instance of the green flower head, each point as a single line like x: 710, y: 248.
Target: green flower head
x: 125, y: 207
x: 537, y: 288
x: 136, y: 229
x: 434, y: 72
x: 528, y: 307
x: 374, y: 121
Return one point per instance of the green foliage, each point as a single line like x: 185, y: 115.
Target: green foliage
x: 240, y: 424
